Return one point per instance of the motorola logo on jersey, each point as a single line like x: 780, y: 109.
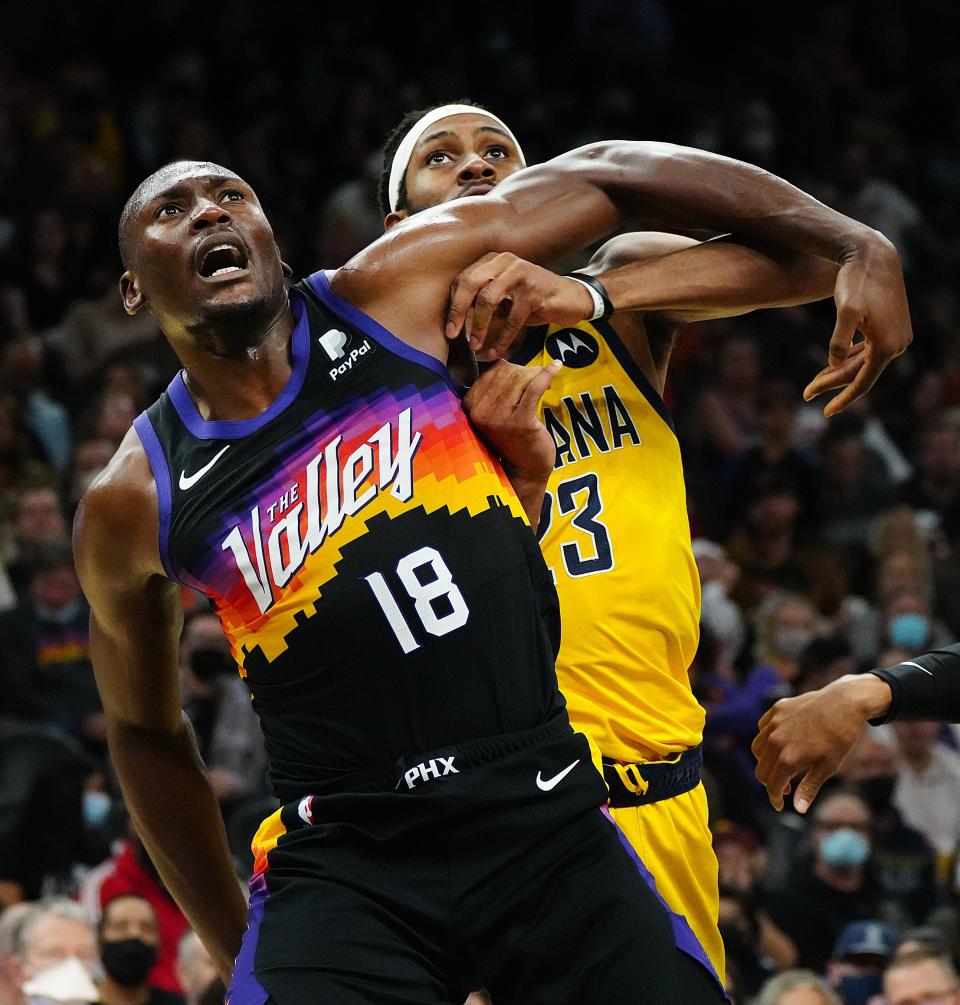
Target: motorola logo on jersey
x: 573, y: 347
x: 338, y: 346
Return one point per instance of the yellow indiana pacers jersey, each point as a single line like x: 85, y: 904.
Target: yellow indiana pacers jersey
x: 615, y: 534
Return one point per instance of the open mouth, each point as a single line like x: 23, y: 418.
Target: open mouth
x: 221, y: 258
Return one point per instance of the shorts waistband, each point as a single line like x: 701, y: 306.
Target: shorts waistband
x: 465, y: 755
x: 640, y: 784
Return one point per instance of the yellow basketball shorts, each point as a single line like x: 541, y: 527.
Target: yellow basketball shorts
x: 672, y: 839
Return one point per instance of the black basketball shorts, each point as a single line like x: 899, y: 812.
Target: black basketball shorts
x: 487, y: 864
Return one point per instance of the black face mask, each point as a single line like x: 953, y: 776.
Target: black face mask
x: 878, y: 792
x: 209, y: 663
x: 128, y: 961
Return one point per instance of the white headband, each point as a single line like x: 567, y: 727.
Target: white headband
x: 401, y: 159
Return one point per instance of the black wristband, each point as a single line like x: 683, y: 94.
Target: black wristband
x: 595, y: 284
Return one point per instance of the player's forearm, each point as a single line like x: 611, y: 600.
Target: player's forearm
x: 925, y: 687
x: 716, y: 278
x: 175, y: 811
x: 675, y: 187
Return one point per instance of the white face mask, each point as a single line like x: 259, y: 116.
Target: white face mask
x: 65, y: 983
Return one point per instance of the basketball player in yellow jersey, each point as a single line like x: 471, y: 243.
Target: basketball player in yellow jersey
x: 614, y: 527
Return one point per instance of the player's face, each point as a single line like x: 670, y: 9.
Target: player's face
x: 458, y: 157
x: 205, y: 250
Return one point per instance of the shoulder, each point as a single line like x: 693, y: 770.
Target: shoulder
x: 118, y: 514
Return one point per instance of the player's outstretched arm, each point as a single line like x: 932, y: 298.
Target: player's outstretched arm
x: 810, y: 734
x: 134, y: 632
x: 679, y: 279
x: 577, y: 198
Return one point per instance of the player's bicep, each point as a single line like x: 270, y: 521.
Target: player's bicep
x: 135, y: 614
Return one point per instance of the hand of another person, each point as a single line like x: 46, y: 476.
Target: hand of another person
x: 810, y: 735
x: 500, y: 294
x: 870, y: 298
x: 502, y: 405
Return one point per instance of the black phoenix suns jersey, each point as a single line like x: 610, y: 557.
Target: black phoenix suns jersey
x: 366, y: 555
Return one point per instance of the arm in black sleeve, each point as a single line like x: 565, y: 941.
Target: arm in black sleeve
x: 927, y: 687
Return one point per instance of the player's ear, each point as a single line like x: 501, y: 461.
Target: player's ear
x: 285, y: 269
x: 130, y: 293
x: 393, y: 218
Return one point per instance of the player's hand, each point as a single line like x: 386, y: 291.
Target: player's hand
x: 811, y: 734
x: 502, y: 405
x: 500, y: 294
x: 871, y: 299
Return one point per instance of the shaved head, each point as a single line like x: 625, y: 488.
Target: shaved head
x: 161, y: 179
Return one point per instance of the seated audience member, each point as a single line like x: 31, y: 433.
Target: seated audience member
x: 833, y: 884
x: 42, y: 773
x: 45, y: 642
x: 129, y: 947
x: 903, y: 863
x: 195, y: 969
x: 134, y: 874
x: 797, y: 987
x: 921, y: 978
x: 927, y: 793
x: 54, y: 934
x: 856, y: 968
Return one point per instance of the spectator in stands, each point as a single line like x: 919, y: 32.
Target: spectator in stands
x: 921, y: 978
x: 769, y: 546
x: 133, y: 874
x: 195, y: 969
x: 935, y: 484
x: 927, y: 793
x: 38, y: 520
x: 46, y: 647
x: 797, y: 987
x: 862, y: 951
x: 832, y: 885
x: 129, y: 947
x: 787, y: 624
x: 218, y: 705
x: 54, y: 933
x: 775, y: 457
x: 903, y: 863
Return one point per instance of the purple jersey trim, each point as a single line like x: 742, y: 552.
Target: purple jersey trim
x: 233, y: 429
x: 683, y: 935
x: 244, y: 988
x: 161, y: 475
x: 356, y: 317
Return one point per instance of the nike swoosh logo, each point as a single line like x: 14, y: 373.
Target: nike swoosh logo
x: 910, y: 663
x: 187, y: 481
x: 546, y: 784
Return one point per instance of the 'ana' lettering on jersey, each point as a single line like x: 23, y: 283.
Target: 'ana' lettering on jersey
x: 585, y: 425
x: 347, y: 486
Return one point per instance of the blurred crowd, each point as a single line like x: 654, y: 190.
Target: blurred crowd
x: 824, y: 548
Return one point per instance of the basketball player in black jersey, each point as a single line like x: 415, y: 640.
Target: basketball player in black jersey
x: 384, y: 599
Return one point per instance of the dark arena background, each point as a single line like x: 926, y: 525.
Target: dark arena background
x: 825, y: 547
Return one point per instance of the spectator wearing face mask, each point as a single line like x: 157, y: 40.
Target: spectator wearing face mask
x: 903, y: 863
x: 129, y: 948
x: 833, y: 886
x: 785, y: 627
x: 862, y: 951
x: 53, y: 956
x: 218, y: 705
